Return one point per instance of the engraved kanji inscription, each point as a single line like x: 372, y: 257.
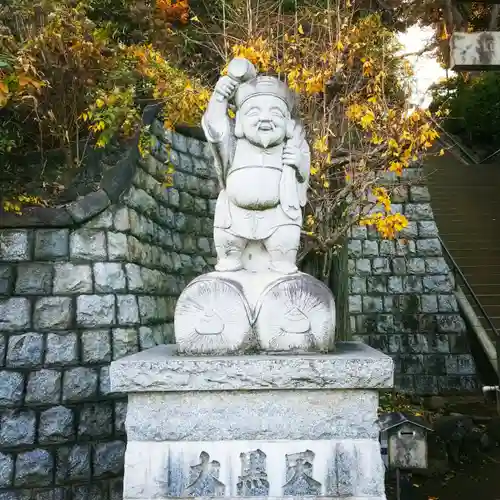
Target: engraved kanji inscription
x: 299, y: 471
x: 204, y: 479
x: 253, y: 480
x: 344, y: 465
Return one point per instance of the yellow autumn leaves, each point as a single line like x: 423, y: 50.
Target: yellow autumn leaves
x: 301, y: 78
x: 14, y: 85
x: 405, y: 138
x: 388, y: 224
x: 355, y: 59
x: 362, y: 114
x: 390, y: 137
x: 184, y: 99
x: 257, y: 51
x: 111, y: 113
x: 16, y: 204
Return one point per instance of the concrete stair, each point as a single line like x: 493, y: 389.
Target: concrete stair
x: 466, y: 204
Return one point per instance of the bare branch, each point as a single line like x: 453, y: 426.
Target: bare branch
x: 428, y: 48
x: 384, y: 5
x: 493, y: 24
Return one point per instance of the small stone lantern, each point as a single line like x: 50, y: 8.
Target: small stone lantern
x: 406, y: 438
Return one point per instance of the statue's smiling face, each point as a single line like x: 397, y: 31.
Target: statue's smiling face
x: 264, y: 120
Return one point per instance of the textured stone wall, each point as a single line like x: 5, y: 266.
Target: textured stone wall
x: 82, y: 285
x: 97, y: 279
x: 401, y: 297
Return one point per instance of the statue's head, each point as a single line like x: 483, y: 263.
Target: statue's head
x: 264, y: 107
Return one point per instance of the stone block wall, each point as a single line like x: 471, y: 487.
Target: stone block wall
x: 401, y: 297
x: 82, y: 285
x: 97, y: 279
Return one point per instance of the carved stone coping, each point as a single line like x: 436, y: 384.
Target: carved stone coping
x: 192, y: 132
x: 115, y: 181
x: 353, y: 366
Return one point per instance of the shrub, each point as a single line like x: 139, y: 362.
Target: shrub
x: 473, y: 109
x: 68, y: 80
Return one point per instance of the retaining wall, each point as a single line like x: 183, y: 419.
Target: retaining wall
x: 402, y: 297
x: 97, y: 279
x: 84, y: 284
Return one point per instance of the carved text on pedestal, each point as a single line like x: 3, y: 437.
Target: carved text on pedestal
x: 204, y: 479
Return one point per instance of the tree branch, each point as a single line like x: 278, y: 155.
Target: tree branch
x: 452, y: 15
x: 384, y: 5
x: 427, y: 48
x: 493, y: 24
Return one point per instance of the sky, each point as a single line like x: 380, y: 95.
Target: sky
x: 427, y: 69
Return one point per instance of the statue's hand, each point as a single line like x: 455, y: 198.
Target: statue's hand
x: 292, y: 156
x: 225, y: 87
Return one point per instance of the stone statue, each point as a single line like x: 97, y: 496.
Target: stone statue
x: 262, y: 161
x: 256, y: 299
x: 251, y: 402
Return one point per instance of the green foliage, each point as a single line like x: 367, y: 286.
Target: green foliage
x: 119, y: 17
x: 75, y: 74
x: 61, y: 58
x: 58, y: 58
x: 392, y: 401
x: 474, y: 109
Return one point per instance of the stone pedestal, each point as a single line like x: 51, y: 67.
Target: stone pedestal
x: 227, y: 313
x: 267, y: 426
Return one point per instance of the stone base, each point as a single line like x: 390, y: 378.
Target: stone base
x: 269, y: 426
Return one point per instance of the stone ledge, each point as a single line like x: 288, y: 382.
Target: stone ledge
x: 46, y: 217
x: 254, y: 498
x: 160, y: 369
x: 117, y: 179
x: 88, y: 206
x: 191, y: 132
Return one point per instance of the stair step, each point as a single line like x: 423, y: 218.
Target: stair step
x: 480, y: 288
x: 466, y: 208
x: 471, y: 268
x: 491, y: 310
x: 493, y: 336
x: 457, y: 250
x: 485, y: 299
x: 476, y: 256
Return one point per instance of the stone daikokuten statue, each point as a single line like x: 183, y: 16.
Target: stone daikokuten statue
x: 256, y: 300
x: 262, y: 161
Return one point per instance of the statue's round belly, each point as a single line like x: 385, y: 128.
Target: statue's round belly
x: 254, y: 188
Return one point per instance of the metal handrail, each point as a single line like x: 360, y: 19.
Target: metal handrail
x: 456, y: 269
x: 492, y: 155
x: 444, y: 134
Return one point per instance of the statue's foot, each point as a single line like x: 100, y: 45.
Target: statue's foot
x: 229, y: 264
x: 284, y: 267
